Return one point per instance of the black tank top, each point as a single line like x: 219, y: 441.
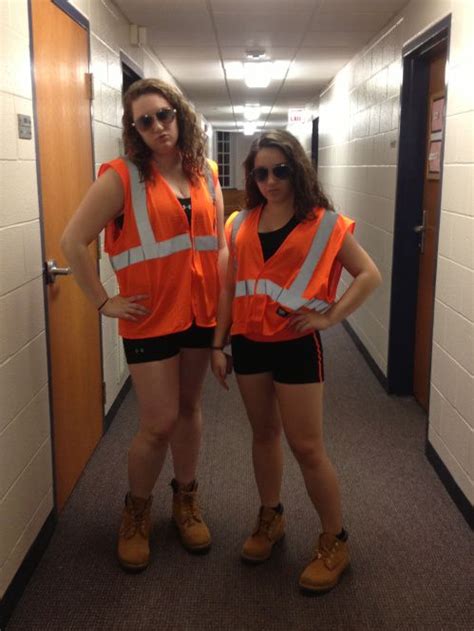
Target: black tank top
x: 186, y: 204
x: 271, y: 241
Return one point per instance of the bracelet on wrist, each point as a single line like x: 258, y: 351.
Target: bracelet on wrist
x: 216, y: 348
x: 103, y: 304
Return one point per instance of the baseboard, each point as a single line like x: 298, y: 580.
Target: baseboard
x: 31, y: 560
x: 450, y: 484
x: 367, y: 356
x: 458, y: 497
x: 124, y: 390
x: 25, y: 571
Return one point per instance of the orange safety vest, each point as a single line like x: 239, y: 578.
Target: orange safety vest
x: 302, y: 274
x: 157, y: 253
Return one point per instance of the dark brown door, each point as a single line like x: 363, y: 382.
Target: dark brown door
x: 60, y: 66
x: 428, y: 230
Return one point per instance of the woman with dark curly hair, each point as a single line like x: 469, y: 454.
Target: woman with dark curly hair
x: 162, y: 210
x: 286, y: 256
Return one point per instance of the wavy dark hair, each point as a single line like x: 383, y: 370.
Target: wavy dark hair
x: 307, y: 190
x: 191, y: 139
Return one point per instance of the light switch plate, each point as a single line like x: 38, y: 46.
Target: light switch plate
x: 24, y: 126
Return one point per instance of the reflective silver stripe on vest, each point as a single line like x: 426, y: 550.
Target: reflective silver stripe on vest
x: 210, y: 183
x: 156, y: 250
x: 317, y: 305
x: 291, y: 297
x: 244, y: 288
x: 241, y: 215
x: 205, y: 243
x: 139, y: 207
x: 320, y: 241
x: 284, y: 297
x: 150, y: 248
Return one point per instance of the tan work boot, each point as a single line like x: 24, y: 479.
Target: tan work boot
x: 134, y: 535
x: 269, y: 530
x: 194, y: 533
x: 330, y: 561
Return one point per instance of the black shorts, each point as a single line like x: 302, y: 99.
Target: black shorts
x: 291, y: 361
x: 151, y: 349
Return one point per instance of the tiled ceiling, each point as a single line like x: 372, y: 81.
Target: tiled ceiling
x: 194, y: 38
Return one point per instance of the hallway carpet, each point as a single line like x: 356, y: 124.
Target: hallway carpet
x: 412, y: 558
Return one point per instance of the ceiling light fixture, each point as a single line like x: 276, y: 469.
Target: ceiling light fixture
x: 234, y: 70
x: 252, y: 111
x: 279, y: 69
x: 256, y: 74
x: 255, y: 53
x: 250, y: 129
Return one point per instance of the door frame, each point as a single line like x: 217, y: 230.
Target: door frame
x: 409, y: 196
x: 83, y: 22
x: 315, y: 142
x: 129, y: 65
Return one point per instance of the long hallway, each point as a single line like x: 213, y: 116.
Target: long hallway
x: 411, y: 548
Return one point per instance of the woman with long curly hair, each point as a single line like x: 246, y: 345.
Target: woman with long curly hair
x: 287, y: 252
x: 162, y: 209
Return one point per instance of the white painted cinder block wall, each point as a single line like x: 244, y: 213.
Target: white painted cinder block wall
x: 25, y: 449
x: 359, y: 130
x: 26, y: 496
x: 110, y: 35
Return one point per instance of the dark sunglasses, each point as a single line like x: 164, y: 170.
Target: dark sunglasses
x: 280, y: 171
x: 165, y: 116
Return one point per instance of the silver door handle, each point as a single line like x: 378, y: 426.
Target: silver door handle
x: 421, y: 230
x: 51, y: 270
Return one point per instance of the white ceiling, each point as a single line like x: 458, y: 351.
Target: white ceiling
x: 194, y: 38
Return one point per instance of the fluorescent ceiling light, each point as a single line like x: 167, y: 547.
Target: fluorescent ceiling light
x: 234, y: 70
x: 252, y: 111
x: 279, y: 69
x: 255, y: 53
x: 250, y: 129
x: 264, y: 109
x: 257, y: 74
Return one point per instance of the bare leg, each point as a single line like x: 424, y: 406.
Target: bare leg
x: 260, y: 402
x: 302, y: 414
x: 186, y: 439
x: 157, y: 388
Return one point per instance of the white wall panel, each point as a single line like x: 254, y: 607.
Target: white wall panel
x: 366, y: 170
x: 25, y: 449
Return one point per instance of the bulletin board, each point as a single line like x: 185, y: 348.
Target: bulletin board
x: 435, y: 136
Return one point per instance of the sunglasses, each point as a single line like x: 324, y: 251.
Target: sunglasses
x: 165, y: 116
x: 280, y: 171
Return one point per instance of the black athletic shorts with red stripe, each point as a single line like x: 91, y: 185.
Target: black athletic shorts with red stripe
x: 290, y: 361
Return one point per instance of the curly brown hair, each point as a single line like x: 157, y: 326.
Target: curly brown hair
x: 191, y: 140
x: 308, y: 193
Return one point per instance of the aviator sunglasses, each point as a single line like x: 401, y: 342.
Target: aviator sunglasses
x: 280, y: 171
x: 165, y: 116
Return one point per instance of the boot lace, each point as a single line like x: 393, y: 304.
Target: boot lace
x: 264, y: 525
x: 326, y: 552
x: 136, y: 520
x: 191, y: 511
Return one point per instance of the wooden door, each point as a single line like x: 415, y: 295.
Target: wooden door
x: 428, y: 230
x: 63, y: 109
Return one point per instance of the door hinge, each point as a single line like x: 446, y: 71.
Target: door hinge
x: 90, y: 85
x: 104, y: 392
